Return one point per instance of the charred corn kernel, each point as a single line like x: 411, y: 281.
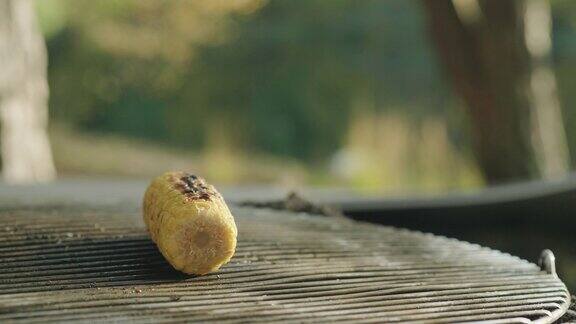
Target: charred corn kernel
x: 189, y: 222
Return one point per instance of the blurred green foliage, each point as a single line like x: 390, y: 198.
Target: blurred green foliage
x: 280, y: 78
x: 283, y: 81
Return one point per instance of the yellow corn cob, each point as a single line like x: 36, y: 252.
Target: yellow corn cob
x: 189, y: 222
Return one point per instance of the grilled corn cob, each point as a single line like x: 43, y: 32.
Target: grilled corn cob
x: 189, y: 222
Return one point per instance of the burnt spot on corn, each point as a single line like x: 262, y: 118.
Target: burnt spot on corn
x: 194, y: 187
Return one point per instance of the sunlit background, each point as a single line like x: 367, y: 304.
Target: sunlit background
x: 332, y: 93
x: 322, y: 93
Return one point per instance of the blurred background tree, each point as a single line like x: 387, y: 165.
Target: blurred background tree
x: 26, y: 153
x: 497, y: 54
x: 307, y: 92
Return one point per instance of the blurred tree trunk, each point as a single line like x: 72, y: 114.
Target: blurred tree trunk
x: 517, y: 127
x: 549, y: 134
x: 26, y: 154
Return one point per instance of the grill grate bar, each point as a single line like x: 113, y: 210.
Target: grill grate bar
x: 100, y: 266
x: 370, y: 293
x: 211, y: 305
x: 149, y: 304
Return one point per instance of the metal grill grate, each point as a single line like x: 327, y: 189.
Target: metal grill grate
x: 77, y: 265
